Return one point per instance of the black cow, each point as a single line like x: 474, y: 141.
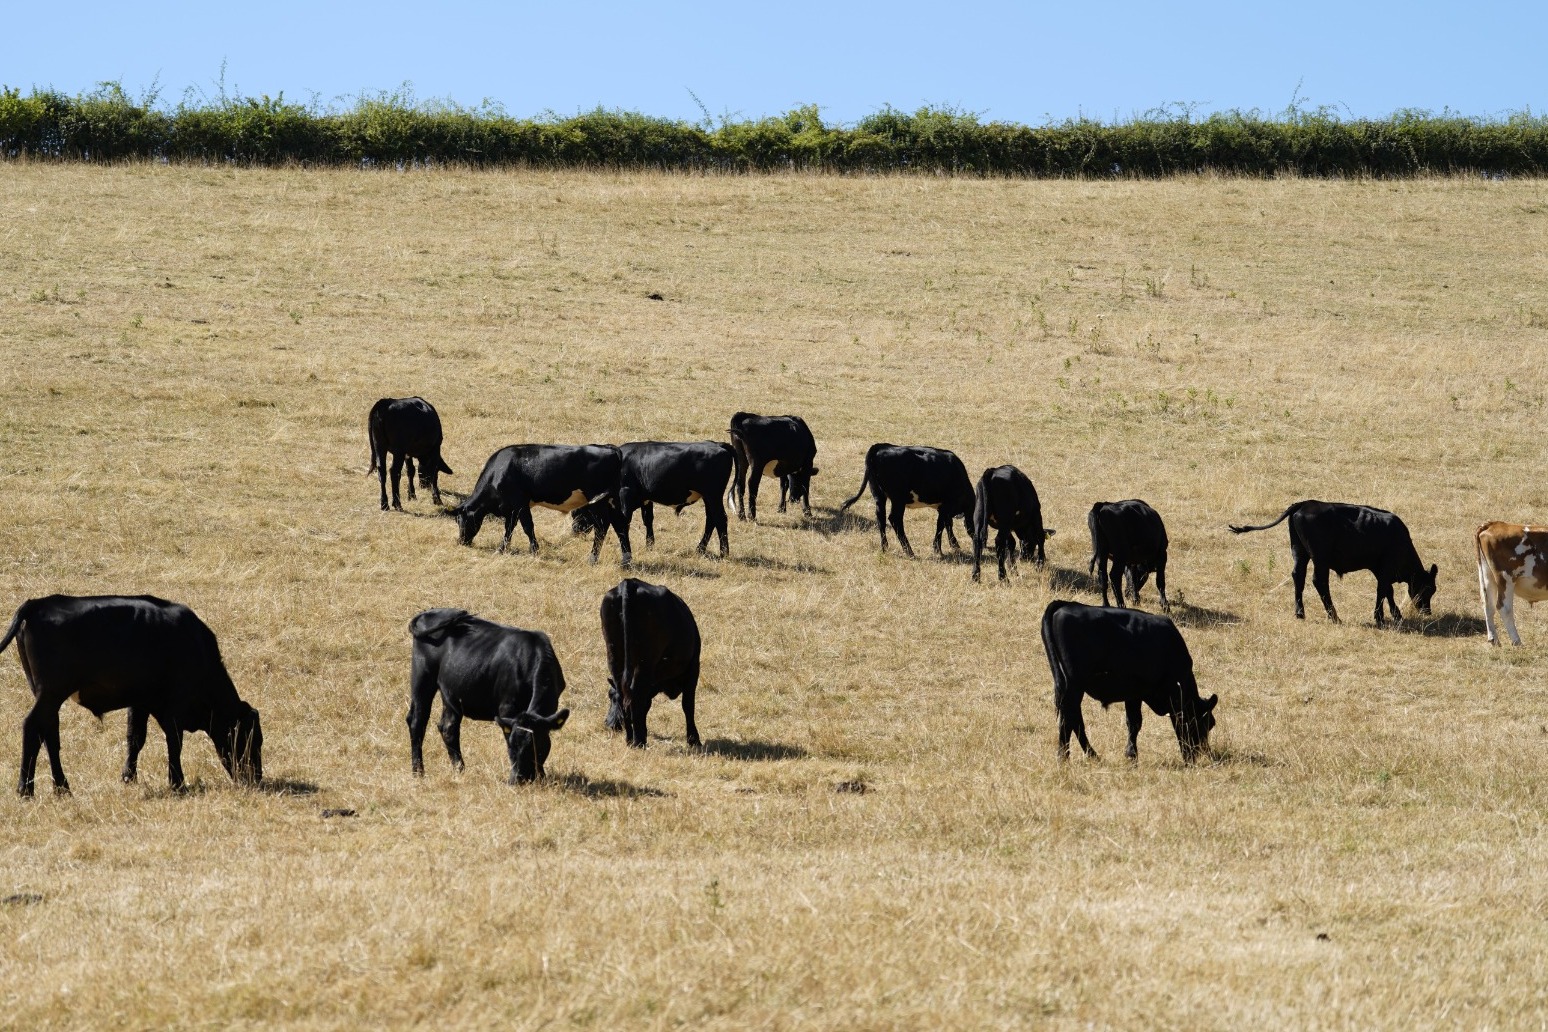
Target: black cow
x: 774, y: 446
x: 1007, y: 501
x: 552, y: 476
x: 652, y: 649
x: 409, y: 429
x: 676, y: 474
x: 1130, y: 536
x: 912, y: 477
x: 152, y: 657
x: 484, y: 671
x: 1342, y: 538
x: 1123, y: 655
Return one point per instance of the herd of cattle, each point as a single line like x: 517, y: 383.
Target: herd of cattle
x: 158, y: 660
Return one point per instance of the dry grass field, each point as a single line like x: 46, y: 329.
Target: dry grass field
x: 187, y: 359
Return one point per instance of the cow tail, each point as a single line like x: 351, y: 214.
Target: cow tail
x: 373, y: 436
x: 626, y: 688
x: 739, y: 471
x: 869, y: 456
x: 1239, y: 529
x: 1098, y: 544
x: 22, y: 612
x: 1055, y: 657
x: 981, y: 514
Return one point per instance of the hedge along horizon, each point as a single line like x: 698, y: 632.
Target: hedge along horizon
x: 395, y: 128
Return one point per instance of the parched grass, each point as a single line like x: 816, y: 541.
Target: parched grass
x: 188, y: 359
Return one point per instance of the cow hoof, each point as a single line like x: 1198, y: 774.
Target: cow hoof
x: 397, y: 507
x: 61, y: 790
x: 384, y: 507
x: 693, y: 742
x: 128, y: 777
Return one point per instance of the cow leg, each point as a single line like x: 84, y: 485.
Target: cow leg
x: 620, y: 520
x: 1320, y: 582
x: 397, y: 471
x: 692, y: 728
x: 174, y: 736
x: 598, y: 535
x: 648, y: 517
x: 408, y: 467
x: 381, y: 477
x: 40, y: 729
x: 510, y: 528
x: 754, y: 475
x: 1003, y: 546
x: 897, y: 529
x: 639, y: 709
x: 881, y: 520
x: 1099, y: 565
x: 615, y: 712
x: 1298, y: 575
x: 1072, y: 721
x: 1508, y: 614
x: 1116, y: 574
x: 435, y: 485
x: 524, y: 515
x: 1131, y: 710
x: 715, y: 519
x: 1166, y: 607
x: 784, y: 492
x: 450, y: 727
x: 1486, y: 587
x: 421, y: 692
x: 138, y: 719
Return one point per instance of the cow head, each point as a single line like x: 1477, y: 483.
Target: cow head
x: 1193, y: 721
x: 240, y: 746
x: 469, y: 519
x: 1422, y: 588
x: 526, y: 739
x: 801, y: 484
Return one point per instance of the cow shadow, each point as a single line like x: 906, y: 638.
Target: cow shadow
x: 605, y: 788
x: 1226, y: 756
x: 830, y: 522
x: 288, y: 787
x: 657, y: 566
x: 1062, y: 578
x: 1446, y: 625
x: 1189, y: 615
x: 760, y: 562
x: 754, y: 750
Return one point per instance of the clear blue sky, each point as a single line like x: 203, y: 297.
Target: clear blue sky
x: 1024, y: 62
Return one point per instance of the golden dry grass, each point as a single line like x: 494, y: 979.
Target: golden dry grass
x: 188, y: 358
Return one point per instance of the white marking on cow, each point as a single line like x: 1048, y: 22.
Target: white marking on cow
x: 693, y: 496
x: 914, y: 502
x: 575, y: 501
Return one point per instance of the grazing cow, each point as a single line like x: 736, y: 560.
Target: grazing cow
x: 552, y: 476
x: 916, y: 478
x: 152, y: 657
x: 652, y: 649
x: 676, y: 474
x: 773, y: 446
x: 1339, y: 537
x: 1007, y: 501
x: 408, y: 429
x: 1512, y: 562
x: 484, y: 671
x: 1130, y: 536
x: 1127, y: 656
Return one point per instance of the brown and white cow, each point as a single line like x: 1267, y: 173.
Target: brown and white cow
x: 1512, y: 561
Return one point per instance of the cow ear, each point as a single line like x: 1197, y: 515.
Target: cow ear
x: 813, y: 471
x: 537, y: 722
x: 1434, y: 569
x: 1209, y: 703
